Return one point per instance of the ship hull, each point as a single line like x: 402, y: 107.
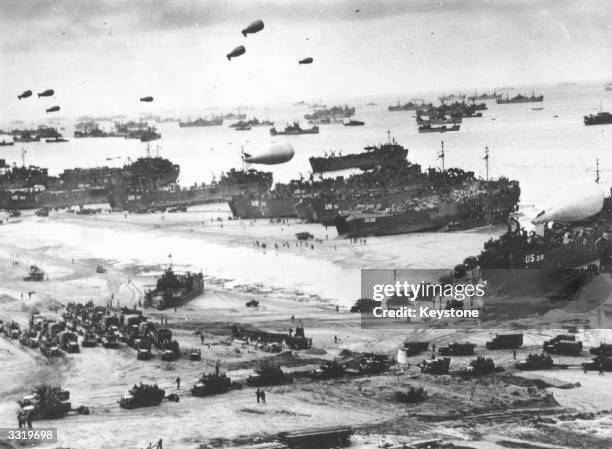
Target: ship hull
x: 257, y: 207
x: 360, y: 161
x: 51, y: 199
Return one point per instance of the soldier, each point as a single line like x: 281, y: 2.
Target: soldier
x: 263, y: 397
x: 258, y: 394
x: 178, y: 383
x: 20, y: 419
x: 29, y: 420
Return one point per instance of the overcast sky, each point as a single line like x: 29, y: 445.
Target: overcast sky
x: 100, y: 56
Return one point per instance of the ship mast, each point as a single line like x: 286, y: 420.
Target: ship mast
x: 441, y: 156
x: 23, y: 153
x: 486, y: 158
x: 597, y: 171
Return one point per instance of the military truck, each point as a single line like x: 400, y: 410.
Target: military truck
x: 535, y: 362
x: 69, y: 341
x: 481, y: 366
x: 506, y: 341
x: 267, y: 375
x: 12, y: 330
x: 47, y: 402
x: 110, y: 340
x: 210, y: 384
x: 599, y: 363
x: 603, y: 349
x: 170, y: 351
x: 50, y: 349
x: 435, y: 366
x: 563, y: 345
x: 142, y: 395
x: 195, y: 354
x: 364, y: 305
x: 457, y: 349
x: 329, y: 370
x: 415, y: 347
x: 35, y: 274
x: 89, y: 340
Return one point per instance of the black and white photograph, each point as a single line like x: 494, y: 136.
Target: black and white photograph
x: 306, y: 224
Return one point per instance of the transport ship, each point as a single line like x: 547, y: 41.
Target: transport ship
x: 334, y: 112
x: 264, y: 205
x: 410, y: 106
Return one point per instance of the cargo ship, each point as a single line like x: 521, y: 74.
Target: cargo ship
x: 601, y: 118
x: 90, y: 129
x: 521, y: 99
x: 234, y: 183
x: 294, y: 129
x: 214, y: 121
x: 476, y: 203
x: 388, y: 154
x: 173, y: 290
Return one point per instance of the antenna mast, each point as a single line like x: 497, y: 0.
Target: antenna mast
x: 486, y: 158
x: 441, y: 156
x: 597, y: 171
x: 23, y: 153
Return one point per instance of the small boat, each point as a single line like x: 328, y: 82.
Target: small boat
x: 56, y: 140
x: 438, y: 129
x: 354, y: 123
x: 6, y: 143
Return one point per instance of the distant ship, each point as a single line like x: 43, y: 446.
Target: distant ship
x: 294, y: 129
x: 252, y: 123
x: 214, y: 121
x: 6, y: 143
x: 452, y: 97
x: 335, y: 112
x: 387, y: 154
x: 56, y: 140
x: 486, y: 96
x: 90, y: 129
x: 521, y: 99
x: 438, y: 129
x: 410, y: 106
x: 354, y: 123
x: 601, y: 118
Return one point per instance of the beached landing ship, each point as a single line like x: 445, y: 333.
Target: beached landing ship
x: 173, y: 290
x: 277, y: 204
x: 385, y: 155
x: 477, y: 203
x: 234, y: 183
x: 551, y: 259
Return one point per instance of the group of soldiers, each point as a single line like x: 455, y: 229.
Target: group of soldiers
x: 24, y: 419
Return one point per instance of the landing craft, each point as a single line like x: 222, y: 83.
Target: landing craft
x: 46, y: 93
x: 53, y: 109
x: 147, y: 99
x: 25, y: 94
x: 240, y: 50
x: 574, y: 203
x: 277, y: 153
x: 305, y: 61
x: 254, y: 27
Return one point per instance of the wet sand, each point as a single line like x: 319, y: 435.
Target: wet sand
x: 295, y: 280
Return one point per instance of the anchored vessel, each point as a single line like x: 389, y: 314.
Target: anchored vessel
x: 601, y: 118
x: 214, y: 121
x: 294, y: 129
x: 521, y: 99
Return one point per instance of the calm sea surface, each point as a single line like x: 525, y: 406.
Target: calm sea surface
x: 544, y: 149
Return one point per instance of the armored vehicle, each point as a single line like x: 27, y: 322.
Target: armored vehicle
x: 142, y: 395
